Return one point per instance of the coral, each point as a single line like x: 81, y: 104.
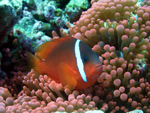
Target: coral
x: 40, y: 93
x: 55, y: 16
x: 119, y: 32
x: 13, y: 84
x: 13, y: 66
x: 5, y: 99
x: 13, y: 56
x: 40, y: 17
x: 38, y: 83
x: 9, y: 16
x: 35, y: 27
x: 49, y: 12
x: 32, y: 104
x: 101, y: 21
x: 4, y: 93
x: 33, y: 39
x: 75, y: 7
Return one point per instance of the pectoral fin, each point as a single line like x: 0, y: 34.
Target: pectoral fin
x: 67, y: 76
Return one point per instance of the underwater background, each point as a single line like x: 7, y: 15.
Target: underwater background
x: 118, y: 30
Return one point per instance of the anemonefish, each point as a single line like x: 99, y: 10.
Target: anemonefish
x: 67, y: 60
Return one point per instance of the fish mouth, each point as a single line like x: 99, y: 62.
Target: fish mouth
x: 98, y: 68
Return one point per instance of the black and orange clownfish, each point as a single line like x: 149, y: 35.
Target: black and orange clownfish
x: 67, y: 60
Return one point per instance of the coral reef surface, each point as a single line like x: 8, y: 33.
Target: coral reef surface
x: 118, y: 30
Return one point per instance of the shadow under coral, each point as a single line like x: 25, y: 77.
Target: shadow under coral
x: 13, y: 66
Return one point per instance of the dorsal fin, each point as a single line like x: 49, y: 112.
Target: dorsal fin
x: 44, y: 49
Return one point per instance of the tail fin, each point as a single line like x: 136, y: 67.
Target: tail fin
x: 32, y: 61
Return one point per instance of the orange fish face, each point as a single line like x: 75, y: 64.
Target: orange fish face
x: 92, y: 66
x: 92, y: 73
x: 95, y: 72
x: 89, y: 67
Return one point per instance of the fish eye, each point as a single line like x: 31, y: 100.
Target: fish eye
x: 85, y: 59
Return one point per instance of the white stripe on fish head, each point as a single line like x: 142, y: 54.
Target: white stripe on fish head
x: 80, y: 64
